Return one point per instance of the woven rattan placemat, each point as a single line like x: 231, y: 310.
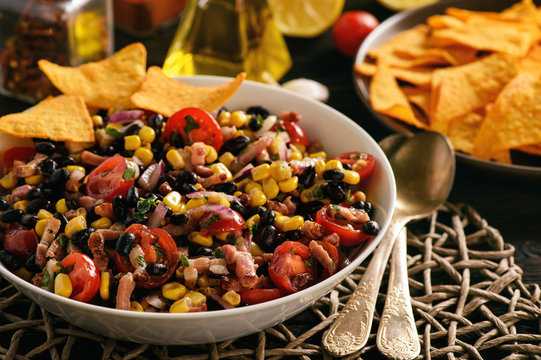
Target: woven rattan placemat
x: 468, y: 297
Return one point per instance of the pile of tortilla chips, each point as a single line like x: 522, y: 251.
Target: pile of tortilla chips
x: 474, y: 76
x: 118, y: 82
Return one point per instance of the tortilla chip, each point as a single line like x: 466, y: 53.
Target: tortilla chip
x: 463, y: 131
x: 387, y: 98
x: 461, y: 55
x: 107, y: 83
x: 416, y: 76
x: 166, y: 96
x: 62, y: 118
x: 531, y: 149
x: 457, y: 91
x: 420, y: 97
x: 514, y: 120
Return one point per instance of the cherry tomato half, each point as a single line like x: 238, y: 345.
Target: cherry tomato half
x: 20, y: 241
x: 158, y: 247
x: 220, y: 221
x: 21, y: 153
x: 290, y: 268
x: 350, y: 30
x: 296, y: 133
x: 352, y: 159
x: 109, y: 179
x: 84, y: 276
x: 257, y: 296
x: 194, y: 125
x: 350, y: 233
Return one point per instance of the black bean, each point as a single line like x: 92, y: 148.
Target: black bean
x: 179, y: 219
x: 33, y: 194
x: 258, y: 110
x: 369, y: 208
x: 168, y: 178
x: 45, y: 147
x: 71, y: 204
x: 358, y: 205
x: 187, y: 177
x: 371, y: 228
x: 267, y: 238
x: 9, y: 260
x: 4, y: 205
x: 59, y: 177
x: 132, y: 130
x: 258, y: 210
x: 119, y: 208
x: 30, y: 264
x: 155, y: 121
x: 267, y: 218
x: 63, y: 161
x: 177, y: 140
x: 307, y: 177
x: 203, y: 251
x: 132, y: 197
x: 335, y: 192
x: 226, y: 187
x: 125, y: 244
x: 29, y: 221
x: 347, y: 166
x: 11, y: 216
x: 156, y: 269
x: 80, y: 239
x: 133, y: 220
x: 109, y: 150
x: 293, y: 235
x: 34, y: 206
x: 47, y: 167
x: 91, y: 215
x: 333, y: 175
x: 235, y: 145
x: 238, y: 207
x: 64, y: 221
x: 311, y: 207
x: 256, y: 123
x: 186, y: 188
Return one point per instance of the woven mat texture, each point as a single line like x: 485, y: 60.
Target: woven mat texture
x: 469, y: 302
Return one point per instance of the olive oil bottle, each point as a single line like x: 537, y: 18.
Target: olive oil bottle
x: 226, y: 37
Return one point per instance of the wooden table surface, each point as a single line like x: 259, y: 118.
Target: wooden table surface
x: 509, y: 203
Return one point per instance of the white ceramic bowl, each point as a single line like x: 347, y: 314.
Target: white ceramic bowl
x: 338, y: 134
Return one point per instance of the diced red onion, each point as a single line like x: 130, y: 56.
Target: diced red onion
x: 155, y: 300
x: 244, y: 172
x: 268, y: 123
x: 202, y: 194
x: 157, y: 216
x: 304, y: 163
x: 223, y: 211
x: 128, y: 115
x: 150, y: 177
x: 77, y: 175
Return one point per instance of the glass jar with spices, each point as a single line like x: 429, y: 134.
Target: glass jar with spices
x: 67, y: 33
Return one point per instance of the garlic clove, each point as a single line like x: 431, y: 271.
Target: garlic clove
x: 309, y: 88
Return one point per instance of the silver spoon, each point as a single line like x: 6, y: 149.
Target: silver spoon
x: 424, y: 167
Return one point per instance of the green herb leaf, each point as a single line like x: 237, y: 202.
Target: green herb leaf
x: 184, y: 260
x: 211, y: 220
x: 293, y: 250
x: 335, y: 208
x: 141, y: 261
x: 63, y: 241
x: 144, y: 206
x: 129, y: 173
x: 114, y: 133
x: 349, y: 198
x: 218, y: 253
x: 158, y: 249
x: 45, y: 280
x: 339, y: 216
x: 191, y: 124
x: 319, y: 193
x: 177, y: 140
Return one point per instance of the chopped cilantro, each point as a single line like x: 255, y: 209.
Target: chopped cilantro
x: 177, y: 140
x: 339, y: 216
x: 319, y: 193
x: 129, y: 173
x: 191, y: 124
x: 114, y: 133
x: 211, y: 220
x: 141, y: 261
x: 45, y: 280
x: 218, y: 253
x: 349, y: 198
x: 184, y: 260
x: 310, y: 261
x: 158, y: 248
x: 293, y: 250
x: 144, y: 206
x: 335, y: 208
x: 63, y: 241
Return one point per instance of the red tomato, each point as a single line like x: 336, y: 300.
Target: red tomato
x: 217, y: 222
x: 158, y: 247
x: 350, y: 30
x: 20, y: 241
x: 296, y: 133
x: 290, y: 268
x: 350, y: 233
x: 109, y: 179
x: 21, y: 153
x: 194, y: 125
x: 352, y: 158
x: 257, y: 296
x: 84, y: 276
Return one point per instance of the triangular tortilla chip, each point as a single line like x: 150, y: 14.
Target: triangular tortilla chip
x: 62, y: 118
x: 166, y: 96
x: 105, y: 84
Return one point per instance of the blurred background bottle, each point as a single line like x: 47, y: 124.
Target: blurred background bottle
x: 225, y: 37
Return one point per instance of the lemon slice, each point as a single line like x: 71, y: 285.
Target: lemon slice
x: 399, y: 5
x: 305, y: 18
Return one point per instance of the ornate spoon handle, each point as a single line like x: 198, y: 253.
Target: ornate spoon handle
x: 397, y: 335
x: 349, y: 333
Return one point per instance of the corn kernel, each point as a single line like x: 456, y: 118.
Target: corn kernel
x: 136, y: 306
x: 9, y: 181
x: 175, y: 159
x: 179, y: 272
x: 145, y: 155
x: 115, y: 126
x: 223, y: 236
x: 289, y: 184
x: 257, y: 197
x: 23, y: 273
x: 292, y: 223
x: 219, y: 168
x: 218, y: 199
x: 320, y: 154
x: 97, y: 120
x: 44, y: 214
x: 224, y: 118
x: 198, y: 186
x: 253, y: 220
x: 319, y: 166
x: 260, y: 172
x: 105, y: 281
x: 34, y: 179
x: 174, y: 200
x: 75, y: 224
x: 72, y: 168
x: 243, y: 132
x: 275, y: 146
x: 334, y: 165
x: 80, y: 211
x: 252, y: 185
x: 102, y: 223
x: 237, y: 193
x: 180, y: 306
x: 212, y: 155
x: 255, y: 250
x: 238, y: 118
x: 62, y: 285
x: 242, y: 184
x: 226, y: 158
x: 295, y: 156
x: 232, y: 298
x: 147, y: 134
x: 173, y: 290
x: 270, y: 188
x: 280, y: 170
x: 39, y: 228
x: 203, y: 281
x: 197, y: 238
x: 351, y: 177
x: 193, y: 203
x: 132, y: 142
x: 300, y: 148
x: 61, y: 206
x: 196, y: 297
x: 21, y: 205
x: 359, y: 196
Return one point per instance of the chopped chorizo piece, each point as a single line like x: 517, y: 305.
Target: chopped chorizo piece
x: 96, y: 245
x: 126, y: 285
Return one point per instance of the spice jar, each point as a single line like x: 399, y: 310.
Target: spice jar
x: 67, y: 33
